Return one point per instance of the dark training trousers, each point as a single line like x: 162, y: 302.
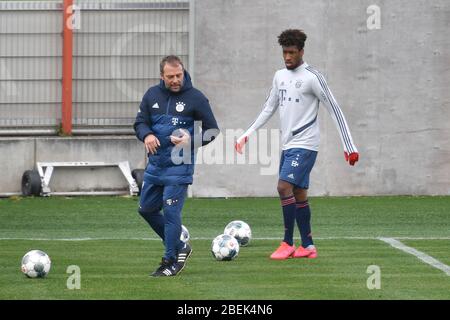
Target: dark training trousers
x: 170, y: 199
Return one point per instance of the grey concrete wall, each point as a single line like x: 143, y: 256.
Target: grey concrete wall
x: 20, y: 154
x: 391, y: 83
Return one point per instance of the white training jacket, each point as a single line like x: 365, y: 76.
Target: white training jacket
x: 297, y: 94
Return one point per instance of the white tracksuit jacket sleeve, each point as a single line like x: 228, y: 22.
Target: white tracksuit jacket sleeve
x: 321, y: 90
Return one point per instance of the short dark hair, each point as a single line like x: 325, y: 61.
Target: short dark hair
x: 292, y: 37
x: 172, y: 60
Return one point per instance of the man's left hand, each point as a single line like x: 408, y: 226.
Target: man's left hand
x: 352, y: 158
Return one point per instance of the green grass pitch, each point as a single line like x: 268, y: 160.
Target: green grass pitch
x: 116, y: 250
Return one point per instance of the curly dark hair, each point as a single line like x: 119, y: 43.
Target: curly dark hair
x: 292, y: 37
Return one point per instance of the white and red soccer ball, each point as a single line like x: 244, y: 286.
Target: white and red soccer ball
x: 240, y: 230
x: 36, y: 264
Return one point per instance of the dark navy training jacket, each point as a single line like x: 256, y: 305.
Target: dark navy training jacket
x: 162, y: 112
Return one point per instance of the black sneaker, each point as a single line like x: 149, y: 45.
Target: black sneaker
x: 167, y: 268
x: 182, y: 256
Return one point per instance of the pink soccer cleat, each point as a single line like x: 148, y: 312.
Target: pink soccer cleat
x: 283, y: 252
x: 309, y: 252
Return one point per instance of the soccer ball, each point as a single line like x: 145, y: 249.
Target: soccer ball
x: 240, y: 230
x: 184, y: 236
x: 36, y: 264
x: 224, y: 247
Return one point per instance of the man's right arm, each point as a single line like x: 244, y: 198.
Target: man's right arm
x: 143, y: 128
x: 270, y: 106
x: 142, y: 124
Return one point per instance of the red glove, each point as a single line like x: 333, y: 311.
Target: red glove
x: 351, y: 158
x: 239, y: 145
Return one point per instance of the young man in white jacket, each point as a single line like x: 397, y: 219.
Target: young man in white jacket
x: 296, y: 92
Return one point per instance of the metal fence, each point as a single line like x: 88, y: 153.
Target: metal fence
x: 117, y: 46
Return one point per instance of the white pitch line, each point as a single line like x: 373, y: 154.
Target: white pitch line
x: 79, y: 239
x: 210, y: 238
x: 418, y: 254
